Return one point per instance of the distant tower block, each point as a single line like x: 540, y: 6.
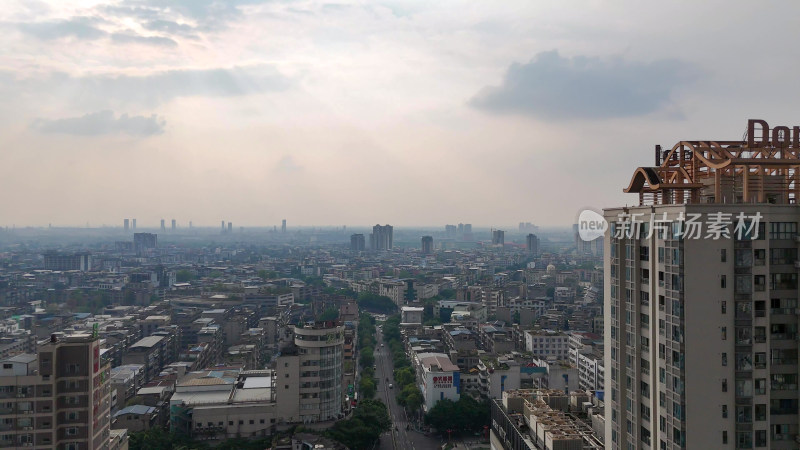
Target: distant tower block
x: 126, y: 223
x: 230, y: 227
x: 174, y: 225
x: 190, y: 224
x: 427, y: 245
x: 163, y: 227
x: 283, y: 226
x: 223, y: 226
x: 134, y: 223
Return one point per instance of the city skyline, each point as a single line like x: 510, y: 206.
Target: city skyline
x: 266, y: 110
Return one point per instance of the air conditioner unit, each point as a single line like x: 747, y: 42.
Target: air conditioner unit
x: 27, y: 428
x: 20, y: 395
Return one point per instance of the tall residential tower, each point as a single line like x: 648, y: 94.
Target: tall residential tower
x: 701, y: 292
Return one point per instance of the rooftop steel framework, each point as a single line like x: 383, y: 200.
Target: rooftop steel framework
x: 765, y: 170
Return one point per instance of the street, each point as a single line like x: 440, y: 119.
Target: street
x: 398, y: 438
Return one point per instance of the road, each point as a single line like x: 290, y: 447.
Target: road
x: 399, y: 438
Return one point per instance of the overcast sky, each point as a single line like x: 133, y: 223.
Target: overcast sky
x: 401, y: 112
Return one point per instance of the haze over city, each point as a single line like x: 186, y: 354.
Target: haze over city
x: 361, y: 112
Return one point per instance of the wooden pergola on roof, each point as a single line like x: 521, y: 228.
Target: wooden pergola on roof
x: 764, y: 170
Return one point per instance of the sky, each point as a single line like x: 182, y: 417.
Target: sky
x: 356, y: 113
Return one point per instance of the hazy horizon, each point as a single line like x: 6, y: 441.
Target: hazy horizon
x: 400, y: 112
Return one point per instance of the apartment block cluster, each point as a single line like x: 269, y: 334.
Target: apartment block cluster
x: 205, y: 340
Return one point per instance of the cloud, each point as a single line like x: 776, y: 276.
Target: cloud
x: 131, y: 38
x: 78, y: 27
x: 287, y: 164
x: 171, y: 27
x: 554, y: 87
x: 110, y: 91
x: 102, y: 123
x: 207, y: 15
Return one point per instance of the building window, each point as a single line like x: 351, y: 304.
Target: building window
x: 761, y: 438
x: 724, y: 359
x: 760, y: 412
x: 782, y: 230
x: 724, y: 437
x: 723, y: 281
x: 785, y: 281
x: 723, y: 255
x: 724, y: 411
x: 724, y: 333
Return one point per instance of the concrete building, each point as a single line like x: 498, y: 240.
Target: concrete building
x: 67, y: 261
x: 498, y: 238
x: 144, y: 241
x: 381, y: 237
x: 411, y: 315
x: 532, y: 244
x: 439, y: 378
x: 59, y: 398
x: 701, y: 330
x: 427, y: 245
x: 542, y: 419
x: 547, y: 344
x: 225, y: 403
x: 309, y: 374
x: 135, y: 418
x: 357, y: 242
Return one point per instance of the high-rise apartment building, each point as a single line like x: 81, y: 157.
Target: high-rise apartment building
x: 283, y: 226
x: 357, y: 242
x: 58, y: 399
x: 174, y: 225
x: 381, y: 237
x: 163, y: 226
x: 498, y: 238
x: 54, y: 260
x: 144, y: 241
x: 701, y: 330
x: 427, y: 245
x: 133, y: 223
x: 309, y: 374
x: 532, y: 243
x: 126, y: 224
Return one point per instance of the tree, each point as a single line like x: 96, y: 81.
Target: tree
x: 184, y: 276
x: 366, y: 386
x: 361, y: 431
x: 329, y: 314
x: 466, y: 414
x: 447, y: 293
x: 367, y: 359
x: 376, y: 303
x: 404, y: 377
x: 414, y: 399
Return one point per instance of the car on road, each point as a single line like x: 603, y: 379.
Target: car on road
x: 381, y: 345
x: 391, y: 386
